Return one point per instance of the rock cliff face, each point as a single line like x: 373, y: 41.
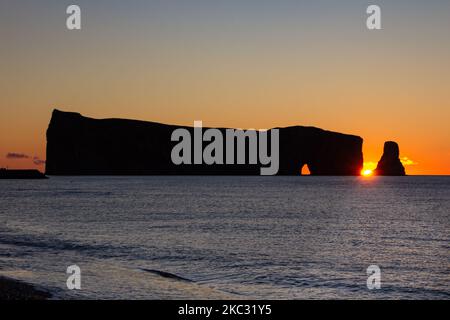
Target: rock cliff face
x: 78, y: 145
x: 389, y: 164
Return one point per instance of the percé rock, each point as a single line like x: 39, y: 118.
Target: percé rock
x: 390, y: 164
x: 78, y: 145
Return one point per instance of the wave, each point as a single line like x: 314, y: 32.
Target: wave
x: 45, y: 243
x: 165, y: 274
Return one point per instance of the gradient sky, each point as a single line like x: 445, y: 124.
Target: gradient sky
x: 247, y: 64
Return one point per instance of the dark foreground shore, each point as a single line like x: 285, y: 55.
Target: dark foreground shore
x: 16, y: 290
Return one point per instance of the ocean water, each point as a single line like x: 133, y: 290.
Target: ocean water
x: 229, y: 237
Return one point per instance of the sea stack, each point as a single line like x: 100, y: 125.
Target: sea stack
x: 390, y: 164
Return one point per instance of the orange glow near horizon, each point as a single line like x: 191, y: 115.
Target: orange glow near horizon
x: 368, y: 168
x: 367, y: 173
x: 34, y: 149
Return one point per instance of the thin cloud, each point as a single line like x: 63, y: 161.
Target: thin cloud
x: 14, y: 155
x: 407, y: 162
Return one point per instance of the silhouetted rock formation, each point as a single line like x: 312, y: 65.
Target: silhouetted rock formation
x: 21, y: 174
x: 389, y: 164
x: 77, y: 145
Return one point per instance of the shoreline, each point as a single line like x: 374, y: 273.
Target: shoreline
x: 21, y: 174
x: 11, y: 289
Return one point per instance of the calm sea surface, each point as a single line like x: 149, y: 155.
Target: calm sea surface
x: 229, y: 237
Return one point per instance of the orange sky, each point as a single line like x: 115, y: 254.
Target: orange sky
x: 233, y: 68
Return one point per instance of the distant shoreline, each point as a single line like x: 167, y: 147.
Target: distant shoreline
x: 21, y: 174
x: 11, y: 289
